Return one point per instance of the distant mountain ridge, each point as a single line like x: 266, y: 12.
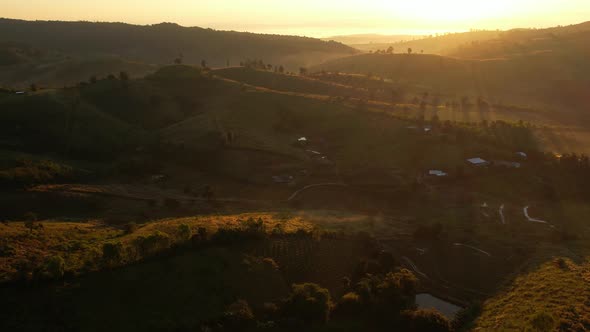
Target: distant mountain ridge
x: 162, y: 43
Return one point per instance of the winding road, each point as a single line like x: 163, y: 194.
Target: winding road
x: 501, y: 211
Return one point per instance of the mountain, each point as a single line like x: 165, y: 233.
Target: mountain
x: 492, y: 44
x: 443, y: 44
x: 163, y: 43
x: 569, y: 41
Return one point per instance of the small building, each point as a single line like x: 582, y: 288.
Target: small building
x: 522, y: 155
x: 302, y: 140
x: 478, y: 162
x: 282, y: 178
x: 436, y: 172
x: 20, y: 93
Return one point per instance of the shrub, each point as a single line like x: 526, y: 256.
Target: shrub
x: 55, y: 267
x: 184, y: 232
x: 467, y: 316
x: 130, y: 228
x: 308, y: 303
x: 152, y: 243
x: 349, y: 304
x: 6, y: 249
x: 238, y: 316
x: 426, y: 320
x: 543, y: 322
x: 112, y: 253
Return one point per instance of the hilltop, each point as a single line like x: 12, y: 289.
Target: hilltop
x: 163, y: 43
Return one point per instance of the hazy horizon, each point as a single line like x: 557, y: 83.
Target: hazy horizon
x: 317, y: 19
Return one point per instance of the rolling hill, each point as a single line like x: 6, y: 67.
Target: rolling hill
x: 542, y: 81
x: 163, y: 43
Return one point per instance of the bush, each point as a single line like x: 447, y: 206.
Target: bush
x: 152, y: 243
x: 238, y: 317
x: 184, y: 232
x: 55, y: 267
x: 467, y: 316
x: 308, y: 303
x: 130, y: 228
x: 426, y: 320
x: 6, y: 249
x: 349, y: 304
x: 543, y: 322
x: 112, y: 253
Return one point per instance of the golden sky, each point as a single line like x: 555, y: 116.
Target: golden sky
x: 313, y: 17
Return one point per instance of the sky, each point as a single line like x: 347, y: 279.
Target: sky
x: 314, y: 18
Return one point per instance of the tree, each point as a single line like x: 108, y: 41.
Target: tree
x: 281, y: 69
x: 30, y: 221
x: 203, y: 63
x: 308, y: 303
x: 390, y: 50
x: 409, y: 50
x: 302, y: 71
x: 93, y: 79
x: 33, y: 87
x: 123, y: 76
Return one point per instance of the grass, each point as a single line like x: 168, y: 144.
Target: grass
x: 80, y: 243
x: 558, y: 287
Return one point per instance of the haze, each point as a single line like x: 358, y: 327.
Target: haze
x: 314, y: 18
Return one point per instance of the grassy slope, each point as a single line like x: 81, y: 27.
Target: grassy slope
x: 81, y: 243
x: 542, y: 81
x: 59, y: 72
x: 561, y: 292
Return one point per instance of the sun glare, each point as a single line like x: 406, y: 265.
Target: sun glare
x: 451, y: 10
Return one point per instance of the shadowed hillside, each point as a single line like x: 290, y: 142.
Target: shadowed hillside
x: 539, y: 80
x: 162, y: 43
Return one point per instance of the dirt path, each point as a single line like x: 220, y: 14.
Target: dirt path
x: 525, y: 210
